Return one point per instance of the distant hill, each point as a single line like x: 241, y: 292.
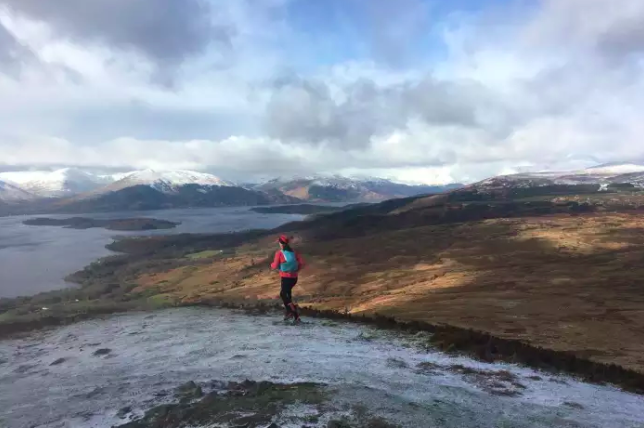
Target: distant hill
x: 138, y: 190
x: 150, y: 189
x: 164, y: 181
x: 142, y: 197
x: 603, y: 175
x: 343, y: 189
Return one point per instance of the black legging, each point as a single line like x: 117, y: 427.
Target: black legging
x: 286, y: 294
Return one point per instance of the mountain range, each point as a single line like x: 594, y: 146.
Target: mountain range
x: 343, y: 189
x: 75, y: 191
x: 602, y: 176
x: 53, y: 184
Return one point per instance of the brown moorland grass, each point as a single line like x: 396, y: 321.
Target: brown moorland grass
x: 562, y: 282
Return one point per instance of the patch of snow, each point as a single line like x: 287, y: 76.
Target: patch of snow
x: 160, y: 351
x: 116, y: 176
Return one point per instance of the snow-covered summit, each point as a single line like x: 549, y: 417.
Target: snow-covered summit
x: 166, y: 181
x: 602, y: 175
x: 58, y: 183
x: 67, y: 182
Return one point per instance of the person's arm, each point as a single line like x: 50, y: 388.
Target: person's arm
x: 301, y: 264
x: 276, y: 260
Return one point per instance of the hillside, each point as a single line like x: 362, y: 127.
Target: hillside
x: 144, y: 197
x: 492, y: 268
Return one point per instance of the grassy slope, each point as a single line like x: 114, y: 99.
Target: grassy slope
x: 560, y: 282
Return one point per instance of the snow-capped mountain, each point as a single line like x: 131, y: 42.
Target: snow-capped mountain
x: 10, y: 193
x: 53, y: 184
x: 602, y: 175
x: 165, y: 181
x: 337, y: 188
x: 70, y: 182
x: 150, y: 189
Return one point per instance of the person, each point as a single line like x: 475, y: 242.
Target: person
x: 289, y: 263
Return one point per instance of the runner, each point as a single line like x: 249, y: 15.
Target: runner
x: 289, y: 263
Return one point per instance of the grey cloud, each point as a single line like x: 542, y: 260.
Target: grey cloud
x: 612, y: 29
x: 306, y: 111
x: 165, y: 31
x: 452, y: 103
x: 624, y: 40
x: 13, y: 55
x: 16, y: 57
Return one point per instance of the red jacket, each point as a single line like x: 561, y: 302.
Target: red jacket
x: 279, y: 259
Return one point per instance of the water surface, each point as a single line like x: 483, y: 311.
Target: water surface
x: 38, y: 258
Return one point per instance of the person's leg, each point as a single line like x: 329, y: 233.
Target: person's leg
x: 285, y: 294
x: 290, y: 298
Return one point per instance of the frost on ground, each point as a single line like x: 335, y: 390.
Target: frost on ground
x: 317, y: 375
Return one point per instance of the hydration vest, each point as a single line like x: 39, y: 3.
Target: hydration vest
x: 290, y: 265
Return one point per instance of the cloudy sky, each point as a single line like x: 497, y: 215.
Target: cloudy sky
x: 418, y: 90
